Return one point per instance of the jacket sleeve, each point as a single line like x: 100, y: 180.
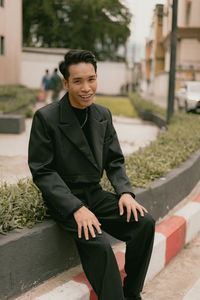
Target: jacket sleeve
x: 40, y: 159
x: 115, y: 162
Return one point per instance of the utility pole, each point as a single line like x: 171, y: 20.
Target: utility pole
x: 172, y: 73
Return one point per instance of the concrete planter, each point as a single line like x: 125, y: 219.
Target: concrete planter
x: 151, y: 116
x: 12, y: 123
x: 30, y: 256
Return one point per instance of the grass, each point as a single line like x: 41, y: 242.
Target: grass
x: 119, y: 106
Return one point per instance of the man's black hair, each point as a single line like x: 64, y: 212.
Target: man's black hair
x: 75, y: 57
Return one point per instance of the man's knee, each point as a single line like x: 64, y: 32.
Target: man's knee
x: 148, y: 222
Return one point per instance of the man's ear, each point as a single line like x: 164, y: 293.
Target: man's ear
x: 65, y: 83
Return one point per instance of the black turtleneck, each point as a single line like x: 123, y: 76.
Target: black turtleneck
x: 82, y: 116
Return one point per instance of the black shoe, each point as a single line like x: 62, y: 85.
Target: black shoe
x: 138, y: 297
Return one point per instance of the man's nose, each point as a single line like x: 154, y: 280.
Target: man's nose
x: 85, y: 87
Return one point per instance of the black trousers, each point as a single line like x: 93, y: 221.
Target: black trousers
x: 96, y: 254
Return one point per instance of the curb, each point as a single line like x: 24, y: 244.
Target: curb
x: 170, y: 237
x: 149, y: 115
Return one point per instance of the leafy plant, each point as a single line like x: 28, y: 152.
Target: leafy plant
x: 16, y: 98
x: 21, y: 205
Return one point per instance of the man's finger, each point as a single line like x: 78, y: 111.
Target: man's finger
x: 144, y: 209
x: 121, y: 209
x: 128, y: 213
x: 98, y: 229
x: 79, y: 231
x: 91, y: 229
x: 141, y: 211
x: 135, y: 214
x: 86, y: 232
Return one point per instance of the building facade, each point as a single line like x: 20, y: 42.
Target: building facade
x: 10, y: 41
x: 188, y: 46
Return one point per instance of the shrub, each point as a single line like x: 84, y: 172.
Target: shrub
x: 13, y: 98
x: 21, y: 205
x: 147, y: 105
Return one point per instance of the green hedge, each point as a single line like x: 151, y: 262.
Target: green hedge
x: 21, y: 205
x: 13, y: 98
x: 147, y: 105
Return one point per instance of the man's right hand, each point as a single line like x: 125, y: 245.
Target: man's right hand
x: 86, y: 220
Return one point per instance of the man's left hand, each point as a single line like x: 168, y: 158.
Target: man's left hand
x: 126, y: 200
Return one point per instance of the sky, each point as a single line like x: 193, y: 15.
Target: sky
x: 142, y: 11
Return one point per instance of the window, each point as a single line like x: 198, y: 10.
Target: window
x: 188, y: 13
x: 2, y: 3
x: 2, y: 45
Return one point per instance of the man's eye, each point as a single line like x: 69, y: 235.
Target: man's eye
x: 91, y: 79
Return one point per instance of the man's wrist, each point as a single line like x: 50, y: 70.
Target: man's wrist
x: 130, y: 193
x: 77, y: 208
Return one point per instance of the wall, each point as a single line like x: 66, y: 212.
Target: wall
x: 190, y: 49
x: 160, y: 84
x: 11, y: 29
x: 111, y: 75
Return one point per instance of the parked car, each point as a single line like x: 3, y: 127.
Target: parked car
x: 188, y: 97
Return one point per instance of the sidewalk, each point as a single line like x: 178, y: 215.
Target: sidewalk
x: 132, y: 133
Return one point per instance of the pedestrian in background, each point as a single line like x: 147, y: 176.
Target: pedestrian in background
x: 45, y: 85
x: 55, y: 85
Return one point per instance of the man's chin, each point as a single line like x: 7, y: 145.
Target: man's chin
x: 86, y: 103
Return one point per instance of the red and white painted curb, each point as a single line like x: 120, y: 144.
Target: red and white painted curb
x: 171, y: 236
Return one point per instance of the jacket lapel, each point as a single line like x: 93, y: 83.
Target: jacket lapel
x: 97, y: 129
x: 72, y: 130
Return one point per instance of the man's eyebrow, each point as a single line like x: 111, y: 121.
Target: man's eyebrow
x: 78, y: 78
x: 75, y: 78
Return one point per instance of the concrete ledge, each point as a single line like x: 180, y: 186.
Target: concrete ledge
x: 11, y: 123
x: 151, y: 116
x: 30, y: 256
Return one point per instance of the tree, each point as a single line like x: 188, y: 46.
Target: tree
x: 97, y: 25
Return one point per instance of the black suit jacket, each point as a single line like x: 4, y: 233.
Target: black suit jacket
x: 59, y: 154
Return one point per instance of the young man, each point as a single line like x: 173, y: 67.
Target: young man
x: 72, y: 142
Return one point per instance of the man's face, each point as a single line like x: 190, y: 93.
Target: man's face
x: 81, y: 84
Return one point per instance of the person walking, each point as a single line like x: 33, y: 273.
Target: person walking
x: 55, y: 85
x: 71, y: 143
x: 45, y: 84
